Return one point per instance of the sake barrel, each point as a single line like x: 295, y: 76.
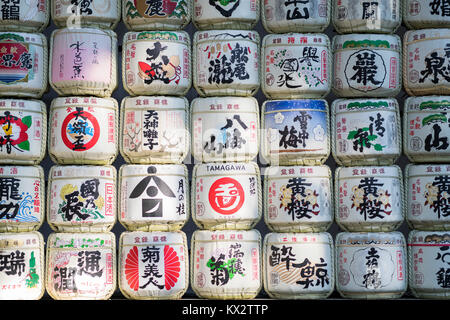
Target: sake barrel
x: 428, y: 264
x: 354, y: 16
x: 295, y: 16
x: 156, y: 63
x: 81, y: 266
x: 295, y: 132
x: 298, y: 265
x: 296, y: 65
x: 226, y: 62
x: 367, y: 65
x: 83, y: 61
x: 425, y: 125
x: 426, y: 189
x: 81, y: 198
x: 298, y: 198
x: 239, y: 251
x: 83, y: 130
x: 371, y: 265
x: 153, y: 265
x: 226, y: 195
x: 22, y: 198
x: 25, y: 16
x: 425, y: 57
x: 22, y: 276
x: 225, y: 129
x: 24, y: 67
x: 142, y: 15
x: 154, y: 197
x: 366, y: 131
x: 86, y: 13
x: 369, y: 199
x: 229, y: 14
x: 23, y: 133
x: 419, y: 14
x: 154, y: 129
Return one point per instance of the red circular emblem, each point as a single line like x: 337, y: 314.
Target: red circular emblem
x: 226, y: 196
x: 80, y: 130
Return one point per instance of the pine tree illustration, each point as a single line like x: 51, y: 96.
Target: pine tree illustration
x: 180, y: 9
x: 132, y: 11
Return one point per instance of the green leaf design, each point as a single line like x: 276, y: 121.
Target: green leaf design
x: 378, y: 147
x: 351, y: 134
x: 27, y: 121
x: 372, y: 137
x: 24, y: 145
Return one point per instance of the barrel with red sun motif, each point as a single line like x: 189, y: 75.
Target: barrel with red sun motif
x: 81, y: 198
x: 429, y: 264
x: 371, y: 265
x: 22, y: 198
x: 144, y: 15
x: 298, y: 265
x: 226, y: 264
x: 298, y: 198
x: 226, y: 195
x: 426, y: 194
x: 226, y: 62
x: 24, y: 67
x: 26, y: 16
x: 75, y: 14
x: 22, y: 274
x: 154, y: 197
x: 229, y: 14
x: 83, y: 61
x: 156, y: 63
x: 153, y: 265
x: 369, y: 199
x: 83, y: 130
x: 23, y: 131
x: 81, y: 266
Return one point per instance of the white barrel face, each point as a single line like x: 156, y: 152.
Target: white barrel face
x: 28, y: 16
x: 367, y: 65
x: 154, y: 197
x: 239, y: 250
x: 83, y: 130
x: 156, y: 63
x: 298, y: 198
x: 369, y: 198
x: 366, y: 131
x: 100, y: 13
x: 83, y: 62
x: 226, y: 195
x: 425, y: 52
x: 371, y: 265
x: 298, y: 265
x: 22, y: 198
x: 154, y: 129
x: 425, y: 129
x: 296, y: 65
x: 81, y: 266
x: 428, y: 264
x: 153, y: 265
x: 24, y: 70
x: 295, y: 132
x: 23, y: 137
x: 22, y: 275
x: 142, y: 15
x: 419, y: 14
x: 295, y: 16
x: 82, y: 198
x: 353, y: 16
x: 426, y: 197
x: 225, y: 129
x: 225, y: 14
x: 226, y: 62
